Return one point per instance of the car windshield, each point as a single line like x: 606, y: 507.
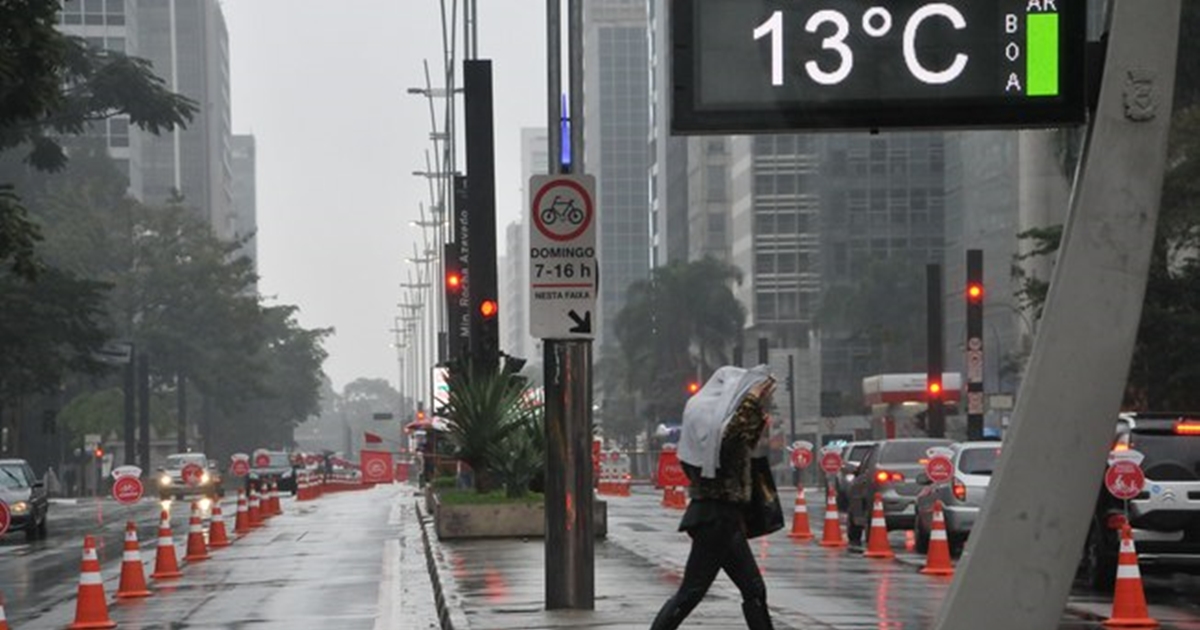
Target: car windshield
x: 907, y: 452
x: 278, y: 460
x: 13, y: 478
x: 978, y: 461
x: 858, y: 452
x: 176, y: 462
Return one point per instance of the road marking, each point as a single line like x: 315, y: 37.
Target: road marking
x: 389, y: 590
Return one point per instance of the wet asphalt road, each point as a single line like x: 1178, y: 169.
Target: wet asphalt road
x: 346, y: 560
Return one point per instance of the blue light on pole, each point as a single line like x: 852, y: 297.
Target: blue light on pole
x: 565, y: 127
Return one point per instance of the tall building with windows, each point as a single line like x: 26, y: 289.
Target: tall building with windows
x: 514, y: 274
x: 669, y: 155
x: 616, y: 131
x: 111, y: 25
x: 187, y: 43
x: 242, y: 221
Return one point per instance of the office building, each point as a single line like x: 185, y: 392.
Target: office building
x: 188, y: 46
x: 242, y: 221
x: 617, y: 129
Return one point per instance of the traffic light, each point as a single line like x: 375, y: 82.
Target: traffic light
x: 420, y: 415
x: 453, y: 280
x: 457, y: 287
x: 934, y: 389
x: 98, y: 452
x: 974, y: 292
x: 693, y: 387
x: 488, y: 308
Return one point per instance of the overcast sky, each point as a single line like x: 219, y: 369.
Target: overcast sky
x: 322, y: 86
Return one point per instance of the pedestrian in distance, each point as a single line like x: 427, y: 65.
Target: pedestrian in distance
x: 722, y: 425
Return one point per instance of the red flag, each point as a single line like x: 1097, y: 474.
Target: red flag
x: 371, y: 438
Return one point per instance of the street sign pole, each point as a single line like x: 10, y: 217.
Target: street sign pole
x: 1026, y: 545
x: 570, y: 542
x: 935, y: 419
x: 974, y: 358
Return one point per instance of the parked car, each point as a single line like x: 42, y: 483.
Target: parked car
x: 172, y: 485
x: 890, y: 468
x: 1165, y: 517
x: 853, y: 454
x: 25, y: 494
x: 278, y: 468
x: 961, y: 496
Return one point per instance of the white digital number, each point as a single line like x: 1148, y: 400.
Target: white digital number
x: 922, y: 73
x: 835, y: 42
x: 773, y: 27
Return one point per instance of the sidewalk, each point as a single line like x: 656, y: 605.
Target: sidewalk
x: 499, y: 584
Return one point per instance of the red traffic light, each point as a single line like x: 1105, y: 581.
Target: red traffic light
x: 693, y: 387
x: 420, y: 415
x: 488, y: 308
x: 453, y: 280
x: 934, y: 388
x: 975, y: 292
x: 98, y: 452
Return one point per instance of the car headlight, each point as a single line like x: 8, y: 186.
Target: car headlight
x: 19, y: 508
x: 165, y: 480
x: 286, y: 474
x: 204, y: 478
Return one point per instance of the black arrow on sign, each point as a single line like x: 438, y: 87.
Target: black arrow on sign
x: 583, y: 325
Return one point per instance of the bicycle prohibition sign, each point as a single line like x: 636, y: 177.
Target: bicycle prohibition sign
x: 562, y: 210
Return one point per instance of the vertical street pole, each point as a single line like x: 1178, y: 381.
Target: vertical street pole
x: 975, y: 356
x: 130, y: 387
x: 143, y: 378
x: 570, y: 539
x: 181, y: 438
x: 764, y: 355
x: 791, y: 387
x: 934, y: 387
x: 484, y: 342
x: 1024, y: 550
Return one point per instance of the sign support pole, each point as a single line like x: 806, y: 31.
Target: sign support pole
x: 570, y: 538
x: 1023, y: 552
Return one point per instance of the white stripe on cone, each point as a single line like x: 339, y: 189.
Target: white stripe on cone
x: 89, y: 553
x: 1128, y: 572
x: 130, y: 536
x: 165, y: 541
x: 89, y: 579
x: 131, y: 556
x: 878, y: 522
x: 937, y: 534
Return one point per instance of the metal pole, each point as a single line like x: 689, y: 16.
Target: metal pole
x: 554, y: 83
x: 935, y: 418
x: 130, y: 410
x: 1023, y: 553
x: 570, y: 538
x: 144, y: 410
x: 791, y: 385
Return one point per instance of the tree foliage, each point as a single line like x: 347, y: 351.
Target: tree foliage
x: 484, y: 412
x: 682, y: 322
x: 54, y: 85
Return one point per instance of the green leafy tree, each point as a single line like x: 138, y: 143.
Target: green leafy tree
x: 683, y: 321
x: 54, y: 85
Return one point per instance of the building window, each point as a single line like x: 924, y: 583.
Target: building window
x: 118, y: 132
x: 715, y: 183
x: 764, y: 306
x: 764, y: 263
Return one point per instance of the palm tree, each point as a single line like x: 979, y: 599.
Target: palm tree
x: 484, y: 411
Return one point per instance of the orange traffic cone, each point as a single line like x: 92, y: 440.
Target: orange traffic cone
x: 800, y: 530
x: 678, y: 499
x: 278, y: 509
x: 832, y: 535
x: 241, y: 523
x: 302, y: 487
x: 196, y: 549
x: 1129, y: 600
x: 255, y: 512
x: 937, y: 559
x: 877, y: 538
x: 666, y: 497
x: 3, y: 619
x: 133, y: 575
x: 91, y: 609
x: 217, y: 537
x: 165, y: 563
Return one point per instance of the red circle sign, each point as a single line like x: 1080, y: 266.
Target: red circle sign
x: 831, y: 461
x: 262, y: 460
x: 240, y: 467
x: 801, y: 458
x: 192, y: 473
x: 560, y: 212
x: 127, y: 490
x: 939, y: 468
x: 377, y: 469
x: 5, y: 517
x: 1124, y: 479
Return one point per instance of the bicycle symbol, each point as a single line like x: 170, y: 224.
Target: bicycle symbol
x: 562, y: 209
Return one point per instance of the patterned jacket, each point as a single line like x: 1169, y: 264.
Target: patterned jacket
x: 732, y: 483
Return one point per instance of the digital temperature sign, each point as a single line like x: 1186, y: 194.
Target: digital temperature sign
x: 780, y: 65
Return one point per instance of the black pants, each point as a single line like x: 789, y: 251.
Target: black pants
x: 717, y: 546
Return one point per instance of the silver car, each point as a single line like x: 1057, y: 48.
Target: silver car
x: 961, y: 496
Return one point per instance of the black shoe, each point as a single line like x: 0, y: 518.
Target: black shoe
x: 757, y: 615
x: 670, y: 617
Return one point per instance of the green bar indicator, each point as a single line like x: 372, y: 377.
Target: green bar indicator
x: 1041, y: 54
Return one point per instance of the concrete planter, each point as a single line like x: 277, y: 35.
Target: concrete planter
x: 509, y: 520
